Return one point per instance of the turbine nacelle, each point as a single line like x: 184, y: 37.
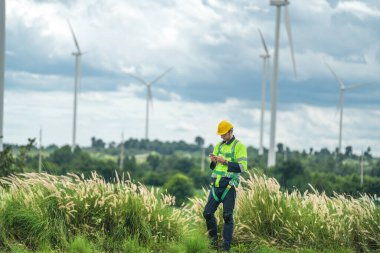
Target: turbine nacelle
x: 279, y: 2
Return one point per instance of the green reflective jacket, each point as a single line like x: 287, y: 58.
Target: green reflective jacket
x: 236, y: 154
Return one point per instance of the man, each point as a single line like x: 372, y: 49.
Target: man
x: 228, y: 160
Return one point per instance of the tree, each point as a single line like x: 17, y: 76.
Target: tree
x: 348, y: 152
x: 112, y: 144
x: 324, y: 152
x: 181, y: 187
x: 280, y: 148
x: 23, y: 151
x: 11, y: 165
x: 291, y: 173
x: 97, y: 143
x: 62, y: 155
x: 153, y: 160
x: 6, y: 162
x: 367, y: 154
x: 376, y: 170
x: 199, y: 141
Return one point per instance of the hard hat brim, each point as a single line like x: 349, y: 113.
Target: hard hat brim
x: 219, y: 133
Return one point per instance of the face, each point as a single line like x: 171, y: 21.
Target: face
x: 227, y: 136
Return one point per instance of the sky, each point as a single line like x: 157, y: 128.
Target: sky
x: 214, y: 49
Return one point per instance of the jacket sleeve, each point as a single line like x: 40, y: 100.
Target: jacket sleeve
x: 240, y: 165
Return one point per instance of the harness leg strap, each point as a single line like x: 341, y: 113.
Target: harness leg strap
x: 225, y: 192
x: 214, y: 194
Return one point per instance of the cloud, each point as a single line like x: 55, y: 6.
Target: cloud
x: 214, y: 47
x: 195, y: 36
x: 357, y: 8
x: 106, y: 114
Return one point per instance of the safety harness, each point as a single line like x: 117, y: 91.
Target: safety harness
x: 234, y: 177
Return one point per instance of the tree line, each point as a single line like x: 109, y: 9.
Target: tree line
x: 156, y: 163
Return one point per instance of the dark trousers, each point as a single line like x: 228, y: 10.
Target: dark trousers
x: 228, y: 210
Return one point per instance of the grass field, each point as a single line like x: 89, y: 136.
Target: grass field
x: 45, y: 213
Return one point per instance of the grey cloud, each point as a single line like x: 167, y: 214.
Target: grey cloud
x: 213, y: 45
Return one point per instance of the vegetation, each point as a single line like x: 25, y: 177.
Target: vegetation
x: 155, y: 162
x: 45, y: 213
x: 265, y: 215
x: 181, y: 187
x: 68, y: 212
x: 94, y: 212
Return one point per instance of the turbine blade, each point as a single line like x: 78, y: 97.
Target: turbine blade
x: 263, y: 42
x: 356, y: 86
x: 159, y: 77
x: 75, y: 39
x: 138, y: 79
x: 289, y: 31
x: 341, y: 84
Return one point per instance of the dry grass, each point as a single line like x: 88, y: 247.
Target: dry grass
x: 267, y: 216
x: 91, y: 206
x: 41, y: 209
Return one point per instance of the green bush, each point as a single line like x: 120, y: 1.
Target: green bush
x: 180, y: 186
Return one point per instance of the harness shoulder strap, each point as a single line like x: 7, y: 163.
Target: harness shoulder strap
x: 233, y: 150
x: 220, y: 147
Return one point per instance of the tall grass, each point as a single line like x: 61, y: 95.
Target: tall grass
x: 264, y: 215
x: 38, y: 209
x: 44, y: 213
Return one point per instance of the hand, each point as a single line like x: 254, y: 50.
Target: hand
x: 220, y: 159
x: 213, y: 157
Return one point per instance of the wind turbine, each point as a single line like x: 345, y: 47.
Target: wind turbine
x: 342, y: 89
x: 149, y: 97
x: 2, y: 56
x: 278, y: 4
x: 77, y: 55
x: 263, y: 90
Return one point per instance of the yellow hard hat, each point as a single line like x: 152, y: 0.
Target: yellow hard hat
x: 223, y: 127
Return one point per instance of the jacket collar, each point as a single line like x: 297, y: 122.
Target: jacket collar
x: 230, y: 141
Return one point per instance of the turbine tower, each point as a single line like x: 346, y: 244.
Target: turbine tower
x: 265, y: 57
x: 342, y: 90
x: 77, y: 55
x: 361, y: 170
x: 149, y: 97
x: 40, y: 152
x: 122, y: 152
x: 2, y: 56
x: 278, y: 4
